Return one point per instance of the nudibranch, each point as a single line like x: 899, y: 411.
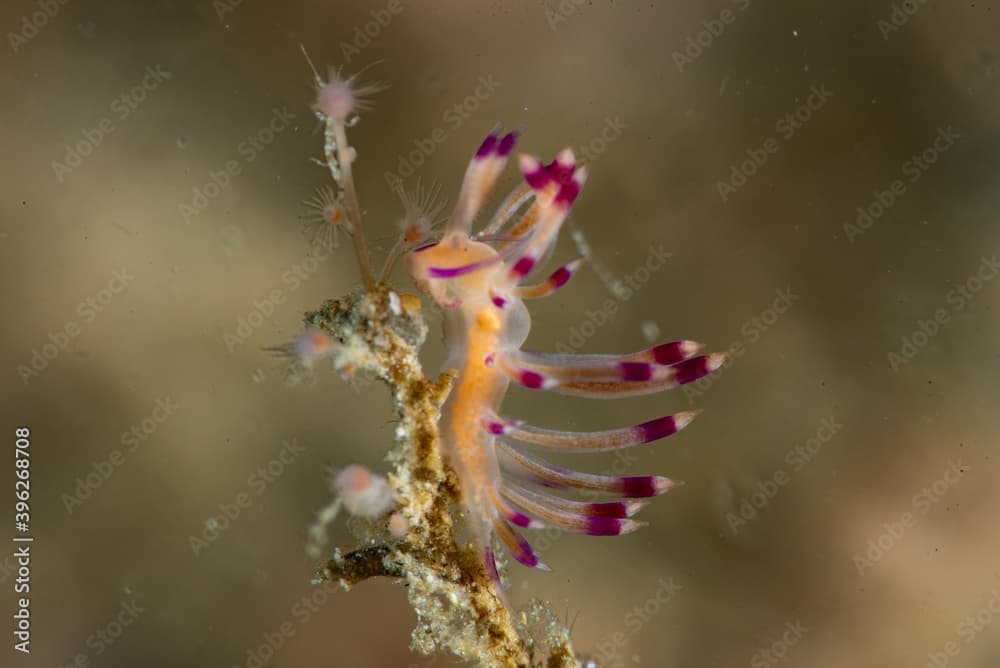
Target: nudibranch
x: 477, y: 280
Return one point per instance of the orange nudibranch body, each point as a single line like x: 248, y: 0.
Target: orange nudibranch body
x: 475, y: 329
x: 477, y: 282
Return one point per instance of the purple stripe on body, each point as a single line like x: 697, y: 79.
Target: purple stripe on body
x: 461, y: 270
x: 449, y: 272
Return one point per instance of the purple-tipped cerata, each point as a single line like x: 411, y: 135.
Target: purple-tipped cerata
x: 534, y: 172
x: 478, y: 278
x: 488, y: 147
x: 507, y: 144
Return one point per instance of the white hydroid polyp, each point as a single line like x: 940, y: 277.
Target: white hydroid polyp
x: 341, y: 98
x: 364, y: 493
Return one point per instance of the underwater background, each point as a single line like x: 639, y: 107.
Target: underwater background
x: 811, y: 186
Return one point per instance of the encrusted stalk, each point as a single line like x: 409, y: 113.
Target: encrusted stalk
x: 458, y: 606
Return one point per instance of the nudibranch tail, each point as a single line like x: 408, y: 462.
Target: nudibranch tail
x: 477, y: 278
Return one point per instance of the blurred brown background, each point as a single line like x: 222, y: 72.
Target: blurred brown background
x: 874, y: 544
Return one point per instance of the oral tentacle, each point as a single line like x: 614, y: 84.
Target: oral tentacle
x: 518, y: 197
x: 480, y: 178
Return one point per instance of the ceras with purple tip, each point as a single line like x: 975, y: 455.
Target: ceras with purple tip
x: 478, y: 279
